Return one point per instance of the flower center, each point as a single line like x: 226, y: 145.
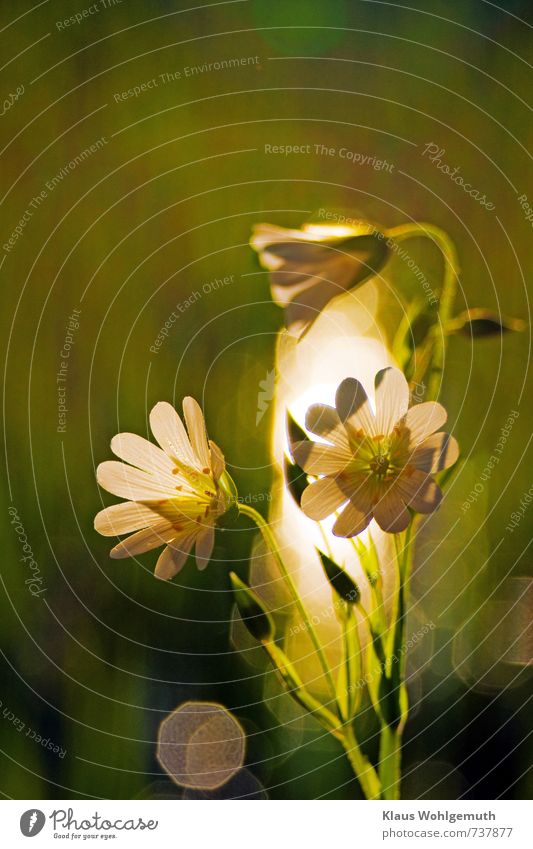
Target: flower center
x: 381, y: 456
x: 379, y: 464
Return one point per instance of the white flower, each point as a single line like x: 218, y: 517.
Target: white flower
x: 174, y: 492
x: 310, y: 266
x: 379, y: 463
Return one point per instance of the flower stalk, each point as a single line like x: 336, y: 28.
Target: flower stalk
x: 271, y: 543
x: 364, y: 771
x: 390, y: 762
x: 394, y: 689
x: 340, y: 723
x: 260, y: 624
x: 437, y: 336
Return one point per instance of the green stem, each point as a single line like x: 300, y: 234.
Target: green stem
x: 296, y: 688
x: 392, y: 730
x: 406, y: 574
x: 344, y: 684
x: 325, y: 540
x: 400, y: 350
x: 378, y: 606
x: 375, y: 636
x: 353, y: 663
x: 447, y: 295
x: 424, y: 354
x: 361, y: 766
x: 398, y: 634
x: 270, y: 540
x: 390, y: 752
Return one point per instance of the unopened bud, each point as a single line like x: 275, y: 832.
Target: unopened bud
x: 344, y: 586
x: 482, y: 322
x: 253, y: 613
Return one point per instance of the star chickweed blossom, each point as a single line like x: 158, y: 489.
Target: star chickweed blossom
x: 379, y: 463
x: 175, y: 493
x: 311, y: 266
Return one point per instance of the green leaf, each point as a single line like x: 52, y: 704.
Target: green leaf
x: 296, y: 480
x: 295, y: 433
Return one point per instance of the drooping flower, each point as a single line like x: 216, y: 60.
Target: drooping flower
x: 379, y: 463
x: 311, y: 266
x: 175, y: 492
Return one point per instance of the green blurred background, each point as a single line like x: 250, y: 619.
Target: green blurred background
x: 162, y: 208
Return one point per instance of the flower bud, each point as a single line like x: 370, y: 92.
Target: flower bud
x: 344, y: 586
x: 482, y: 322
x: 253, y: 613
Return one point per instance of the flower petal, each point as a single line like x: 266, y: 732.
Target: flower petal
x: 392, y: 399
x: 390, y: 512
x: 418, y: 490
x: 217, y: 462
x: 322, y: 498
x: 325, y: 422
x: 194, y: 419
x: 315, y: 458
x: 144, y: 540
x: 356, y: 515
x: 169, y: 430
x: 204, y: 547
x: 439, y: 451
x: 141, y: 453
x: 173, y: 558
x: 353, y: 406
x: 133, y: 484
x: 264, y: 235
x: 424, y: 419
x: 124, y: 518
